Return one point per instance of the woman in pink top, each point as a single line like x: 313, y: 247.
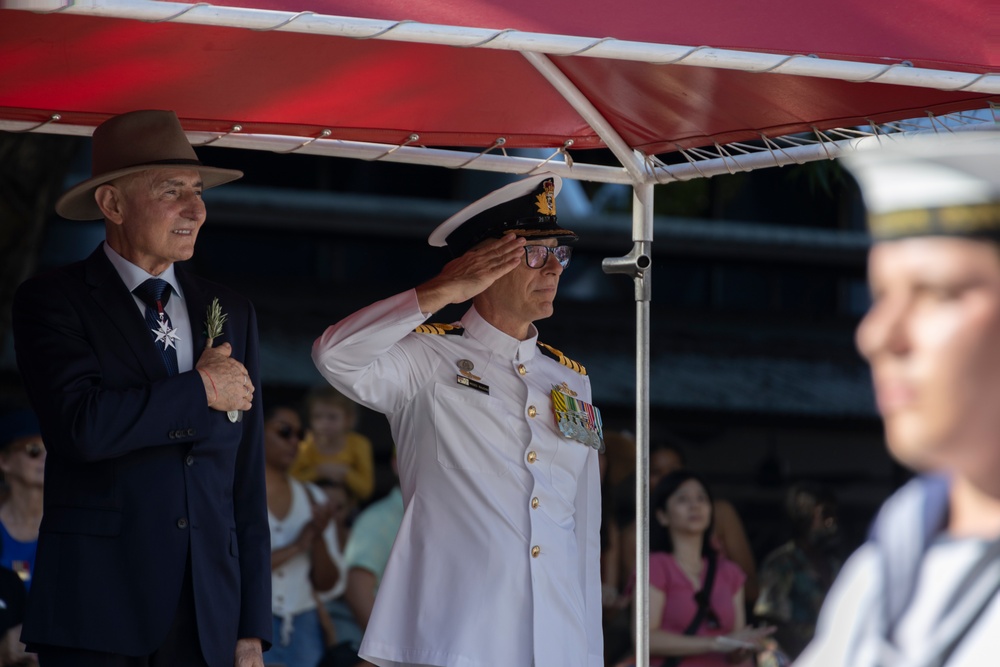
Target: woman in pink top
x: 681, y: 563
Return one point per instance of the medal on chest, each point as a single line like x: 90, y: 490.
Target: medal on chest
x: 165, y: 333
x: 576, y: 419
x: 466, y: 378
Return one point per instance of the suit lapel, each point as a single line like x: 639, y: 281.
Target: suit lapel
x: 110, y: 293
x: 197, y: 306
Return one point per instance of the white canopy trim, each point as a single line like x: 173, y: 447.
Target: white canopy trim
x: 901, y: 73
x: 700, y: 162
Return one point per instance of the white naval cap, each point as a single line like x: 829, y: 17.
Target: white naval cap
x: 945, y: 185
x: 526, y: 208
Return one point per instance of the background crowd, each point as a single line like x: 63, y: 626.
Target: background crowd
x: 332, y: 527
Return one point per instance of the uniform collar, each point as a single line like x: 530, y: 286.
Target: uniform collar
x: 502, y: 344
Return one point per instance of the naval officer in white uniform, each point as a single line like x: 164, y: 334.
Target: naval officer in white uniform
x: 496, y: 563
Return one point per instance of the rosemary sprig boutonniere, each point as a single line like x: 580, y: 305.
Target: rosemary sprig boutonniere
x: 214, y: 319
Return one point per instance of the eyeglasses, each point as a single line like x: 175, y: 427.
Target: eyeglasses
x: 34, y: 449
x: 537, y: 255
x: 286, y: 431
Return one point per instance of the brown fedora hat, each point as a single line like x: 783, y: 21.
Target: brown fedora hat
x: 136, y: 141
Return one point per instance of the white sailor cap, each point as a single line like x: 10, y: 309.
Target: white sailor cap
x: 526, y: 208
x: 934, y: 185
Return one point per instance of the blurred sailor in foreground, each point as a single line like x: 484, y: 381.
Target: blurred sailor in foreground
x: 925, y: 589
x: 497, y: 558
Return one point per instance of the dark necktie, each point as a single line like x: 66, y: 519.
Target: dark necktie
x: 155, y: 293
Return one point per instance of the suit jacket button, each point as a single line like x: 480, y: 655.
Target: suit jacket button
x: 189, y: 460
x: 190, y: 431
x: 182, y: 523
x: 172, y: 435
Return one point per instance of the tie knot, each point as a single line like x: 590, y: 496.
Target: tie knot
x: 153, y: 290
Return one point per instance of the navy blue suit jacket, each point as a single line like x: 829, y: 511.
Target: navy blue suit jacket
x: 140, y: 471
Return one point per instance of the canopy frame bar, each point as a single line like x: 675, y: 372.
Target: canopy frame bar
x: 901, y: 73
x: 629, y: 158
x: 701, y: 162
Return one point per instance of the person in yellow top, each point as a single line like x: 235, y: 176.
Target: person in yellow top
x: 332, y: 449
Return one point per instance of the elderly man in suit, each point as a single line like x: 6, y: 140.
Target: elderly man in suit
x: 154, y: 546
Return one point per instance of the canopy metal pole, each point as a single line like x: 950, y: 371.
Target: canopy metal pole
x: 637, y: 264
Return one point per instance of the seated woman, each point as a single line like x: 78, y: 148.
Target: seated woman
x: 696, y: 603
x: 300, y: 560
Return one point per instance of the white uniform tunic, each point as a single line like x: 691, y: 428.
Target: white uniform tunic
x: 497, y: 558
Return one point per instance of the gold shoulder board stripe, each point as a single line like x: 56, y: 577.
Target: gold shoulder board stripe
x: 439, y: 329
x: 562, y: 358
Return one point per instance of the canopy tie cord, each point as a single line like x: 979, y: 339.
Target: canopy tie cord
x: 54, y: 118
x: 496, y: 144
x: 724, y: 154
x: 773, y: 146
x: 66, y: 5
x: 383, y: 31
x: 561, y: 150
x: 659, y: 170
x: 322, y: 135
x: 178, y: 14
x: 489, y: 39
x: 592, y: 45
x: 973, y: 82
x: 935, y: 122
x: 993, y: 112
x: 683, y: 56
x: 822, y: 141
x: 233, y: 130
x: 276, y: 26
x: 783, y: 62
x: 885, y: 70
x: 875, y: 132
x: 691, y: 161
x: 409, y: 140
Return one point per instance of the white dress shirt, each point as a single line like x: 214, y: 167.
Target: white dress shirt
x: 175, y: 307
x: 497, y: 560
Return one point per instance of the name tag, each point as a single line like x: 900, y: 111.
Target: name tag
x: 469, y: 382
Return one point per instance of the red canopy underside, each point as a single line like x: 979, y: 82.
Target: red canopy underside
x: 88, y: 68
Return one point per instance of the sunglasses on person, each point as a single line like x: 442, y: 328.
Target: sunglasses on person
x: 34, y: 449
x: 286, y: 431
x: 537, y: 255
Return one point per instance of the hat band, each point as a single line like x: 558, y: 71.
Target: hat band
x: 545, y: 233
x: 964, y: 220
x: 183, y: 161
x: 467, y: 236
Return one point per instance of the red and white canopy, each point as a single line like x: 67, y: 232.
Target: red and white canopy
x: 390, y: 78
x: 732, y: 85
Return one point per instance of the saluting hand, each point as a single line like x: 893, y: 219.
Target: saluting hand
x: 227, y: 382
x: 464, y: 277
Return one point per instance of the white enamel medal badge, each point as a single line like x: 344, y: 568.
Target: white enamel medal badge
x: 166, y: 334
